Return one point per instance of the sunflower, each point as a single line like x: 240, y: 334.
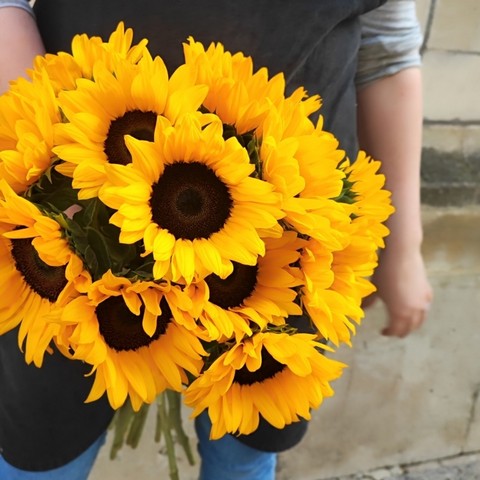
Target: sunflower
x: 122, y: 98
x: 296, y: 156
x: 190, y: 197
x: 354, y: 264
x: 87, y: 51
x: 353, y: 267
x: 28, y: 112
x: 292, y: 117
x: 329, y: 310
x: 336, y: 283
x: 263, y: 293
x: 64, y: 69
x: 372, y: 202
x: 301, y: 161
x: 333, y: 297
x: 127, y: 331
x: 277, y: 375
x: 39, y: 271
x: 237, y: 94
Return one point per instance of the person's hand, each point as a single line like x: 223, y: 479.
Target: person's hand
x: 403, y: 286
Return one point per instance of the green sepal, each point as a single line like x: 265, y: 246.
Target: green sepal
x: 53, y: 191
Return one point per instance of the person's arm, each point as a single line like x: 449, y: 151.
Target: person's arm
x: 390, y: 117
x: 20, y: 41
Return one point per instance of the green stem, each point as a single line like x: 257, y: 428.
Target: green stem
x: 167, y: 434
x: 120, y: 423
x: 136, y: 428
x: 158, y: 426
x: 175, y: 415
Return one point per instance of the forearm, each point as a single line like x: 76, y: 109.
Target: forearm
x: 390, y: 130
x: 20, y: 42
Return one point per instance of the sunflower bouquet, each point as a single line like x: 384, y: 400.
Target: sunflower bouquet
x: 170, y: 230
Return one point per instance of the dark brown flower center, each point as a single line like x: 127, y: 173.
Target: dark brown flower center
x: 190, y: 201
x: 235, y: 289
x: 44, y: 280
x: 123, y: 330
x: 136, y: 123
x: 268, y: 369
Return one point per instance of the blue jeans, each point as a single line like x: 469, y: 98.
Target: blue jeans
x: 77, y: 469
x: 229, y: 459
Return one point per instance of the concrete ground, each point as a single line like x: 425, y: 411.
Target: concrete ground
x: 461, y: 467
x: 405, y: 409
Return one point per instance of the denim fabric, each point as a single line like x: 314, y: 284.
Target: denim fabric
x: 229, y: 459
x: 78, y: 469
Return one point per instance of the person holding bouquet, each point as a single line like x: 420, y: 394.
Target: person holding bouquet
x: 47, y: 431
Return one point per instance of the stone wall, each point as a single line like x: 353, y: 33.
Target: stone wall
x: 451, y: 68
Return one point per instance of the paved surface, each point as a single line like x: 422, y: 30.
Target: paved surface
x: 462, y: 467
